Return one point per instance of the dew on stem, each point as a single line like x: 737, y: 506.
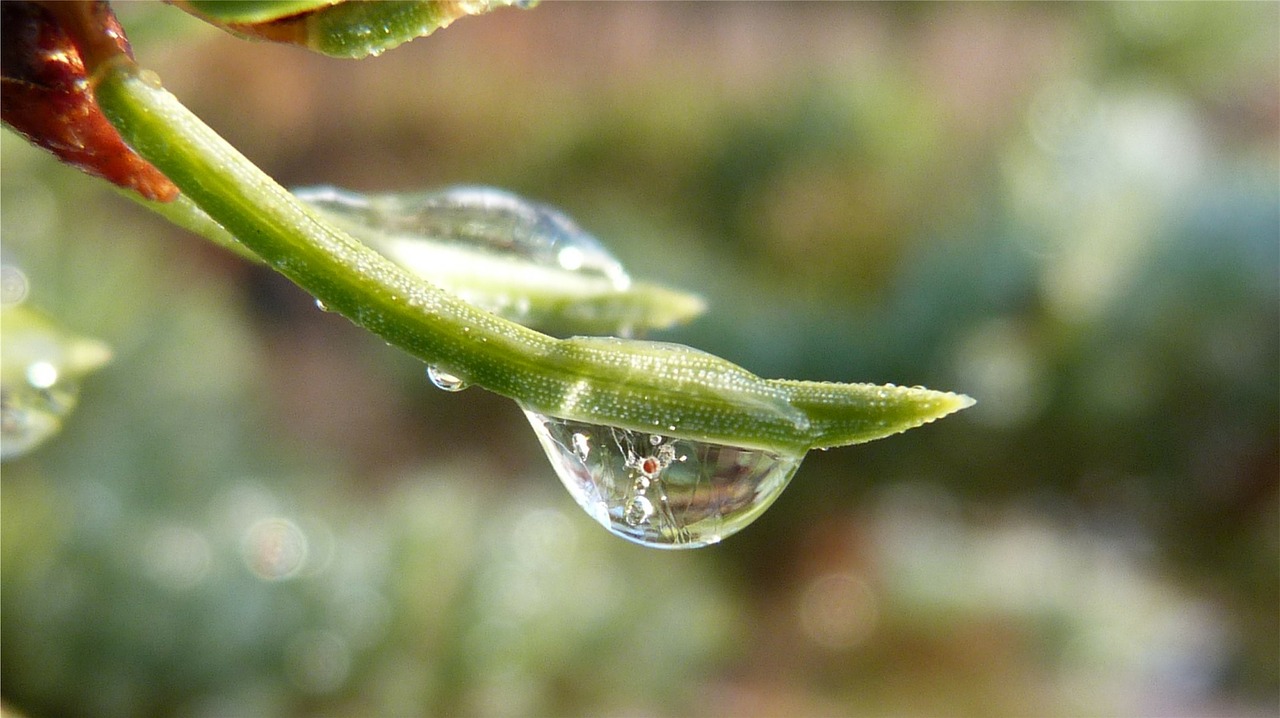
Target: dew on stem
x: 442, y: 379
x: 742, y: 437
x: 474, y: 217
x: 522, y: 260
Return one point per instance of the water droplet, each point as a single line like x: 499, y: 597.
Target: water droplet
x: 322, y: 306
x: 42, y: 365
x: 444, y: 380
x: 662, y: 491
x: 489, y: 219
x: 522, y: 260
x: 151, y: 79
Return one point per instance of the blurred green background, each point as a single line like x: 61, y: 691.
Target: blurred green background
x: 1068, y: 211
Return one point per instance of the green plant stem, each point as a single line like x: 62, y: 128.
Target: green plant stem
x: 631, y: 384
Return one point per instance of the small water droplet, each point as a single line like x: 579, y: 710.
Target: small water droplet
x: 662, y: 491
x: 150, y: 79
x: 322, y: 306
x: 444, y: 380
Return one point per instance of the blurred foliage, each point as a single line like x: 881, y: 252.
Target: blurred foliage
x: 1070, y: 212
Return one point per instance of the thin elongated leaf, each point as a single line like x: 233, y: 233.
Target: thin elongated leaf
x: 626, y: 384
x: 250, y: 11
x: 349, y: 29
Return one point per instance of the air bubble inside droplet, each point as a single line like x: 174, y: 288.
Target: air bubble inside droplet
x: 444, y: 380
x: 639, y: 511
x: 582, y: 445
x: 662, y: 491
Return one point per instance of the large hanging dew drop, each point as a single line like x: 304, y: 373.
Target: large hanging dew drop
x: 661, y: 491
x: 522, y: 260
x: 472, y: 218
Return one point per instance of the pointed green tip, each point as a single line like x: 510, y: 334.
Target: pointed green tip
x: 842, y: 414
x: 661, y: 307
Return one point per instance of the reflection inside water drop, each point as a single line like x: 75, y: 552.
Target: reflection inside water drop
x: 662, y: 491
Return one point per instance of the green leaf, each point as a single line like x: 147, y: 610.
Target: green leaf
x: 616, y: 382
x: 251, y: 11
x: 340, y: 28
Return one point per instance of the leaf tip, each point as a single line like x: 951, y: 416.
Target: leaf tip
x: 843, y: 414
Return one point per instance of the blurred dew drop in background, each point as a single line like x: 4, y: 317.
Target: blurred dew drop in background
x: 1069, y: 212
